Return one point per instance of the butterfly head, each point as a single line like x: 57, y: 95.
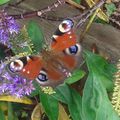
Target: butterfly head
x: 66, y: 25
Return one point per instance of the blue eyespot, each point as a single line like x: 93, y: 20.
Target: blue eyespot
x: 73, y: 50
x: 42, y: 77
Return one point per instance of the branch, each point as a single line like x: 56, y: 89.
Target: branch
x: 39, y: 13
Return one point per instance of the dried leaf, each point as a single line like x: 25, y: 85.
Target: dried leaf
x: 39, y: 111
x: 8, y: 98
x: 100, y: 14
x: 62, y: 113
x: 75, y: 4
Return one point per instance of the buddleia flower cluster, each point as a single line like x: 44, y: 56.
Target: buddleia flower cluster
x: 8, y: 27
x: 14, y: 85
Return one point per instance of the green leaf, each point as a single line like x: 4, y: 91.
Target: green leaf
x: 36, y: 35
x: 110, y: 8
x: 77, y: 75
x: 77, y: 1
x: 2, y: 54
x: 2, y: 116
x: 10, y: 112
x: 70, y: 97
x: 99, y: 64
x: 37, y: 89
x: 95, y: 102
x: 50, y: 105
x: 3, y: 1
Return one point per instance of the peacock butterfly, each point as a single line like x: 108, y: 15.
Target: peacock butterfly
x: 53, y: 64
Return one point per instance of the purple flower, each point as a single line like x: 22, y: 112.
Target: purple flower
x: 14, y: 84
x: 8, y: 27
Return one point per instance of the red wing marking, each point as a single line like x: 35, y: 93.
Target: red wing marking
x: 54, y: 75
x: 69, y: 61
x: 32, y: 69
x: 64, y: 41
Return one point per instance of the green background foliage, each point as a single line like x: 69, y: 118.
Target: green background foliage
x: 3, y: 1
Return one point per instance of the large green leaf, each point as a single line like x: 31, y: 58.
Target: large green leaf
x: 50, y: 105
x: 3, y: 1
x: 70, y: 97
x: 100, y: 65
x: 76, y: 75
x: 95, y: 102
x: 36, y: 35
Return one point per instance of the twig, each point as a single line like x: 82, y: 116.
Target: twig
x: 88, y: 25
x: 17, y: 3
x: 83, y: 17
x: 39, y: 13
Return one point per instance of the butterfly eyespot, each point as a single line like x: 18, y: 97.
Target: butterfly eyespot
x: 73, y: 50
x: 16, y: 66
x: 42, y: 77
x: 66, y: 26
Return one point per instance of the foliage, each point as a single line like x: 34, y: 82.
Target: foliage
x: 110, y: 8
x: 21, y: 43
x: 70, y: 97
x: 95, y: 101
x: 50, y: 105
x: 36, y: 35
x: 76, y: 75
x: 104, y: 69
x: 2, y: 54
x: 77, y: 1
x: 100, y: 13
x: 3, y: 1
x: 2, y: 116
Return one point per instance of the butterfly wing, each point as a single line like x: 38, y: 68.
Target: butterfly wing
x: 64, y: 37
x: 28, y: 67
x: 34, y: 68
x: 64, y: 40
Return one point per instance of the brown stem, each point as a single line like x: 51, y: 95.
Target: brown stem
x: 39, y: 13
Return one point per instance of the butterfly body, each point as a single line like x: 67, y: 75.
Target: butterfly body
x: 53, y: 65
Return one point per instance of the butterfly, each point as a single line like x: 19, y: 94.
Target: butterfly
x: 54, y: 63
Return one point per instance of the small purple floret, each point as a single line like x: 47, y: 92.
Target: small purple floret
x: 8, y: 27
